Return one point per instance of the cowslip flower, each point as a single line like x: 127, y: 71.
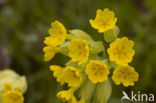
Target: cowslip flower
x: 49, y: 52
x: 65, y: 95
x: 57, y: 73
x: 120, y: 51
x: 104, y: 20
x: 58, y: 34
x: 79, y: 51
x: 125, y: 75
x: 96, y: 71
x: 51, y: 41
x: 68, y: 96
x: 11, y: 96
x: 7, y: 86
x: 72, y: 76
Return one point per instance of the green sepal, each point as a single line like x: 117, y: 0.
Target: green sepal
x: 112, y: 34
x: 103, y: 92
x: 113, y: 65
x: 87, y: 90
x: 109, y: 63
x: 63, y: 49
x: 96, y: 47
x: 80, y: 34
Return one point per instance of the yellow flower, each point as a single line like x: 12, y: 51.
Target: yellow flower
x: 52, y: 41
x: 69, y: 75
x: 96, y: 71
x: 104, y: 20
x: 7, y: 86
x: 57, y: 73
x: 120, y: 51
x: 49, y: 52
x: 65, y: 95
x: 12, y: 96
x: 72, y: 76
x: 125, y: 75
x: 58, y: 34
x: 79, y: 51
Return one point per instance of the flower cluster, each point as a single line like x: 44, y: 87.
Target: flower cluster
x: 12, y: 87
x: 88, y: 68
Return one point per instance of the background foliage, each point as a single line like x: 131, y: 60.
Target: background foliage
x: 25, y: 23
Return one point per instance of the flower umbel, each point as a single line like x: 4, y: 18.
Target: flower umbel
x: 96, y: 71
x: 79, y: 51
x: 121, y: 51
x: 104, y: 20
x: 125, y: 75
x: 87, y: 72
x: 72, y: 76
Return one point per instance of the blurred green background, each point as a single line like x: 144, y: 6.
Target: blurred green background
x: 25, y: 23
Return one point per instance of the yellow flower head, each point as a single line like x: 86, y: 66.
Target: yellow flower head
x: 104, y: 20
x: 120, y: 51
x: 125, y: 75
x: 49, y: 52
x: 7, y: 86
x: 96, y: 71
x: 72, y: 76
x: 57, y: 73
x: 79, y: 51
x: 65, y: 95
x: 12, y: 96
x: 58, y: 34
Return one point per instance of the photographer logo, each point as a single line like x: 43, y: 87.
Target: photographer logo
x: 137, y: 97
